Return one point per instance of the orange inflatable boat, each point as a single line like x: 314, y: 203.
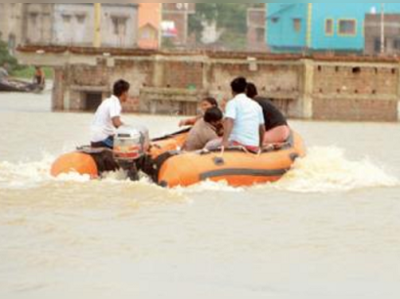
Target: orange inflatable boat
x: 236, y: 166
x: 168, y: 166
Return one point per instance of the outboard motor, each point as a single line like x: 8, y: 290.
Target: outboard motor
x: 130, y: 147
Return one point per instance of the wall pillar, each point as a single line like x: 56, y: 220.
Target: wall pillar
x: 398, y: 93
x: 206, y: 73
x: 158, y: 77
x: 306, y: 90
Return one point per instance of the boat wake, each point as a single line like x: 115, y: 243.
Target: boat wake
x: 324, y: 169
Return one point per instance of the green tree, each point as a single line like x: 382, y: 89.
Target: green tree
x: 5, y: 57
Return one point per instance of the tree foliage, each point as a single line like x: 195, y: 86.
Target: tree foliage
x: 5, y: 57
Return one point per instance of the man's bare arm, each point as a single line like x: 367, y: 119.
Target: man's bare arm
x: 262, y: 133
x: 117, y: 122
x: 228, y: 127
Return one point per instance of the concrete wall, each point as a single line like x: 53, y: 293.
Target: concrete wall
x: 313, y: 87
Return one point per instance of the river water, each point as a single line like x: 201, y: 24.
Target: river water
x: 329, y: 229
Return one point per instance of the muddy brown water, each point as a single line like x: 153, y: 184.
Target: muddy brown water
x: 329, y: 229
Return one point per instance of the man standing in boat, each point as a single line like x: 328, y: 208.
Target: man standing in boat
x: 244, y: 120
x: 108, y: 116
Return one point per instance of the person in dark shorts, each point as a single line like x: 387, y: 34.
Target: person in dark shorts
x: 276, y: 125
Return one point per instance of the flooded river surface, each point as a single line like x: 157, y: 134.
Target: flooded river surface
x: 329, y: 229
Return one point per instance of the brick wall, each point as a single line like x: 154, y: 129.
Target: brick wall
x: 356, y: 92
x: 183, y: 74
x: 355, y: 110
x: 312, y: 87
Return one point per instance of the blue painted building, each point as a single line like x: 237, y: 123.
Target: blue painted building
x: 296, y: 27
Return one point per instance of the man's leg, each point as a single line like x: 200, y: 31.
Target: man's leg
x: 109, y: 142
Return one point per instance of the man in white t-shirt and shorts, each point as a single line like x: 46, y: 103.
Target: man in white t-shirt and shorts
x: 108, y: 116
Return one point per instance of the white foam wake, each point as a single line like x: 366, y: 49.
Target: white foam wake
x: 326, y: 169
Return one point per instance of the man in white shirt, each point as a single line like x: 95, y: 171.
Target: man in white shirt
x: 244, y: 120
x: 108, y: 116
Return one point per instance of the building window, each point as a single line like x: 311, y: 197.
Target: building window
x: 377, y: 45
x: 33, y: 16
x: 119, y: 25
x: 148, y: 33
x: 275, y: 20
x: 329, y: 27
x: 347, y: 27
x: 81, y: 18
x: 260, y: 35
x: 66, y: 19
x: 396, y: 44
x: 297, y: 25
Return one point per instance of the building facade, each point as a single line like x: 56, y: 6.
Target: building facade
x: 391, y: 34
x: 150, y: 15
x: 11, y: 24
x: 68, y: 24
x: 175, y: 23
x: 256, y: 29
x: 298, y: 27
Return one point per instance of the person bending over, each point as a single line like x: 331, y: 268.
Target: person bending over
x: 108, y: 116
x: 204, y: 130
x: 276, y: 126
x: 204, y: 105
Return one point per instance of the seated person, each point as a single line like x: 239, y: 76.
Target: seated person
x: 276, y: 126
x: 39, y: 78
x: 244, y: 121
x: 108, y: 116
x: 204, y: 130
x: 205, y: 104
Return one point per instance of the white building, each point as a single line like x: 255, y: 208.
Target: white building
x: 68, y: 24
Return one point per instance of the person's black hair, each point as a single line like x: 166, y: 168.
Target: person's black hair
x: 239, y: 85
x: 213, y: 102
x: 213, y: 115
x: 120, y: 87
x: 251, y: 90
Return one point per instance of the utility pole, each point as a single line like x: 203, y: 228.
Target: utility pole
x: 309, y: 26
x: 383, y: 28
x: 97, y: 25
